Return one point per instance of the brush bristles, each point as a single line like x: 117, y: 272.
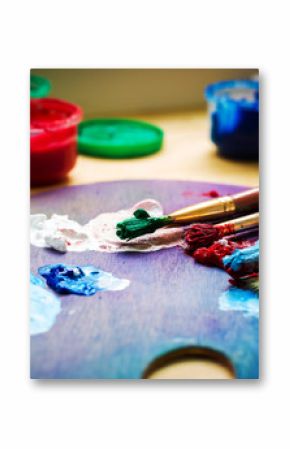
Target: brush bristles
x: 201, y: 235
x: 140, y: 224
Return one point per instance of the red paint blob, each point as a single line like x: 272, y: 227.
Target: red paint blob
x: 213, y: 256
x: 211, y: 194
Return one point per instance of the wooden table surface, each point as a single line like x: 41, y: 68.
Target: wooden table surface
x: 187, y: 154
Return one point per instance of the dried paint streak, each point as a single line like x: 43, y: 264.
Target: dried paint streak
x: 99, y: 234
x: 209, y: 194
x: 44, y: 307
x: 240, y: 300
x: 188, y: 193
x: 86, y: 280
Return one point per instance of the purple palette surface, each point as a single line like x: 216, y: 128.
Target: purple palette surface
x: 172, y: 303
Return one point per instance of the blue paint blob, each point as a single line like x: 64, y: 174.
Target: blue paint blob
x: 234, y: 110
x: 86, y: 280
x: 240, y: 300
x: 44, y: 307
x: 241, y: 258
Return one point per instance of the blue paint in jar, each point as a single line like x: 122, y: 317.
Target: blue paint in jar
x: 234, y: 112
x: 85, y: 280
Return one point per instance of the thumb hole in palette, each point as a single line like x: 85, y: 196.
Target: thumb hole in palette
x: 191, y: 363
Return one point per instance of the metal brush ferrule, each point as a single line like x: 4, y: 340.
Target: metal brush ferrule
x: 212, y: 209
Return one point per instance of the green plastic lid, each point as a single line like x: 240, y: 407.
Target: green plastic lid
x: 39, y: 87
x: 118, y: 138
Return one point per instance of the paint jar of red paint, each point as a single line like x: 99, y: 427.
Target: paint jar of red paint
x: 53, y: 139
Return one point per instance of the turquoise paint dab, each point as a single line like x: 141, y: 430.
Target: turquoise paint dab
x: 240, y: 300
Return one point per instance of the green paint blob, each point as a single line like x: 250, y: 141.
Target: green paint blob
x: 141, y: 223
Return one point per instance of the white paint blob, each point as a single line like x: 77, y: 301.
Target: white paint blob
x: 99, y: 234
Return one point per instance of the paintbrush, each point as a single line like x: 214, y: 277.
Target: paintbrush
x: 142, y: 223
x: 205, y: 234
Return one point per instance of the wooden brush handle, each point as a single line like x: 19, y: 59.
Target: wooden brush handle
x: 223, y: 206
x: 247, y: 201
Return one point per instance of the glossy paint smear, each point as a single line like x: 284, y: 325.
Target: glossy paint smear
x: 44, y: 307
x: 85, y: 280
x: 63, y: 234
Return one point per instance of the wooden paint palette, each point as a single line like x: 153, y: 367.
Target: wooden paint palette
x: 172, y: 303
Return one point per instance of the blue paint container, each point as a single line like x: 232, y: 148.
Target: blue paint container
x: 234, y: 112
